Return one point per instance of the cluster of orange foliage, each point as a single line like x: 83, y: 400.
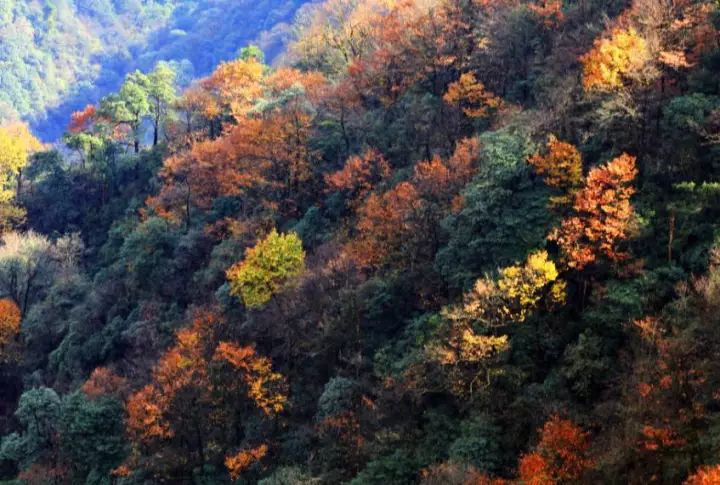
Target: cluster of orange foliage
x: 344, y: 426
x: 104, y: 382
x: 210, y: 169
x: 471, y: 97
x: 397, y: 60
x: 659, y: 438
x: 360, y: 175
x: 562, y: 168
x: 603, y: 215
x: 384, y: 221
x: 697, y: 17
x: 561, y: 456
x: 9, y: 326
x: 184, y: 386
x: 384, y: 47
x: 263, y: 154
x: 264, y: 387
x: 181, y: 366
x: 672, y: 390
x: 707, y: 475
x: 387, y: 221
x: 233, y: 86
x: 243, y: 459
x: 549, y: 11
x: 682, y: 31
x: 186, y: 364
x: 81, y: 120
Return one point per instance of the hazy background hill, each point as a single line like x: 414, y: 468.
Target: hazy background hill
x: 59, y: 55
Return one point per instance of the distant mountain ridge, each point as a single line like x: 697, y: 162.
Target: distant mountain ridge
x: 59, y: 55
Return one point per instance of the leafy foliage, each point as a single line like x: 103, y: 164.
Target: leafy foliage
x: 604, y: 215
x: 561, y: 168
x: 63, y: 55
x: 368, y: 260
x: 9, y: 326
x: 612, y: 59
x: 266, y: 268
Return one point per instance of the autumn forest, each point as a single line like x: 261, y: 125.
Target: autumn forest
x: 437, y: 242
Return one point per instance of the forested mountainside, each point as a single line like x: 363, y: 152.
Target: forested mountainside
x: 443, y: 242
x: 58, y: 55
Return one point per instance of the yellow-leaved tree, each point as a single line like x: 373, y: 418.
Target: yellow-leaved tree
x: 266, y: 268
x: 235, y: 86
x: 516, y: 294
x: 523, y: 287
x: 17, y: 143
x: 474, y: 337
x: 613, y: 60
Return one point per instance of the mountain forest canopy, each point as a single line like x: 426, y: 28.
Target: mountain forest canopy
x: 464, y: 242
x: 59, y: 55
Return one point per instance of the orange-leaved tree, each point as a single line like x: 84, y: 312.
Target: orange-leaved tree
x: 561, y: 167
x: 471, y: 96
x: 549, y: 11
x: 561, y: 456
x: 263, y: 156
x: 262, y: 385
x: 440, y: 180
x: 384, y: 224
x: 104, y: 382
x: 230, y: 166
x: 360, y: 175
x: 706, y: 475
x: 602, y: 216
x: 192, y: 410
x: 9, y: 326
x: 290, y: 102
x: 238, y: 462
x: 404, y: 221
x: 81, y: 120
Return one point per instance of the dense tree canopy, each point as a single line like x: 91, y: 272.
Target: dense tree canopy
x: 434, y: 242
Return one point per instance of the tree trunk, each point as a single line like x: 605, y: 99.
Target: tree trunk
x: 19, y: 184
x: 187, y: 210
x: 671, y: 236
x: 158, y: 115
x: 156, y: 130
x: 26, y: 297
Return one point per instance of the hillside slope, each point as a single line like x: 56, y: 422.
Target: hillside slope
x: 457, y: 242
x: 57, y: 55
